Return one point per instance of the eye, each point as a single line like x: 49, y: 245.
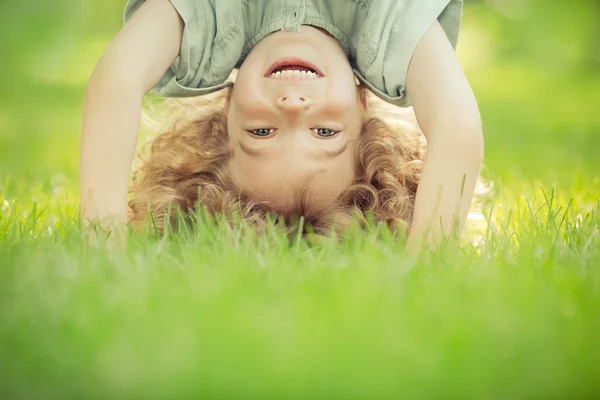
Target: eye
x: 261, y: 132
x: 325, y: 132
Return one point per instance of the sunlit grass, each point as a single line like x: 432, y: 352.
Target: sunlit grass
x: 221, y: 313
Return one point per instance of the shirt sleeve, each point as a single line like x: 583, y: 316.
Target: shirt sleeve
x: 386, y: 75
x: 190, y: 74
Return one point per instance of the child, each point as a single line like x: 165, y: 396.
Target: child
x: 295, y: 134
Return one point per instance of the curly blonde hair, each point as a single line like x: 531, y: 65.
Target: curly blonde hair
x: 187, y: 169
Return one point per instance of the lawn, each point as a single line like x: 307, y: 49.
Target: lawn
x: 513, y: 312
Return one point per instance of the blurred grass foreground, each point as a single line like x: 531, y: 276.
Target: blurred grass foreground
x: 512, y: 313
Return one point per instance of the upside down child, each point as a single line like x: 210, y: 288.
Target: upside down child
x: 301, y: 131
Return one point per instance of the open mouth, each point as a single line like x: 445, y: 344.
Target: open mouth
x: 294, y: 68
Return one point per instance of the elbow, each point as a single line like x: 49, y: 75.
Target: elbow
x: 113, y: 78
x: 469, y: 141
x: 466, y: 127
x: 462, y: 135
x: 471, y: 138
x: 475, y: 133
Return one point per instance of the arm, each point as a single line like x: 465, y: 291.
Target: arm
x: 133, y: 63
x: 448, y: 115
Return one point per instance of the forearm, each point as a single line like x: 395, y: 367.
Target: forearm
x: 111, y: 119
x: 446, y: 188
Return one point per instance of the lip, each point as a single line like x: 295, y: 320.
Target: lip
x: 294, y: 61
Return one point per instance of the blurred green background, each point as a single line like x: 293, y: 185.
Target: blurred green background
x: 533, y: 64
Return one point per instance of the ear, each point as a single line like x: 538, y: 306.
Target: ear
x: 363, y: 94
x: 227, y: 99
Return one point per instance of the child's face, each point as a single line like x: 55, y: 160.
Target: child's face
x: 292, y: 130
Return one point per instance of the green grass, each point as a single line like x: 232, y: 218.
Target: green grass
x: 222, y: 314
x: 513, y: 312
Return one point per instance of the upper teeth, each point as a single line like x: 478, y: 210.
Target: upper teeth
x: 290, y: 74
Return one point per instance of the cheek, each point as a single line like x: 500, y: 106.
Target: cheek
x: 239, y: 94
x: 343, y: 98
x: 245, y: 85
x: 345, y: 80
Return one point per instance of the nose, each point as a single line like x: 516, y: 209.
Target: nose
x: 294, y: 103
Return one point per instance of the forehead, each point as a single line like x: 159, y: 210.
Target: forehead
x: 278, y: 179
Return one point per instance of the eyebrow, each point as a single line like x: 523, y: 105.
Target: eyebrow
x: 260, y: 152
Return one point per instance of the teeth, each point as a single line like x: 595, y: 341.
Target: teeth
x: 291, y: 74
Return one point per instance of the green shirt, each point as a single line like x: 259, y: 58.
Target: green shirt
x: 378, y: 36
